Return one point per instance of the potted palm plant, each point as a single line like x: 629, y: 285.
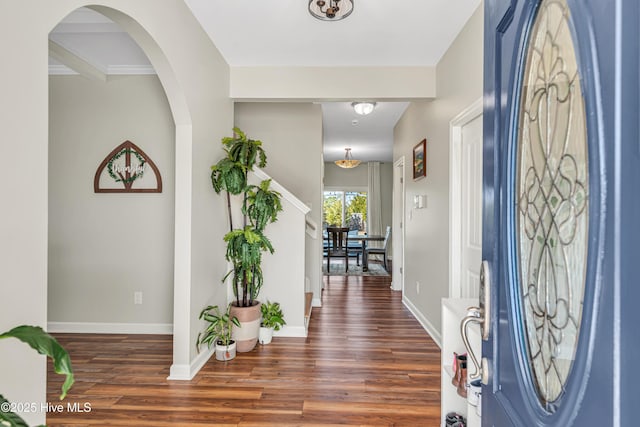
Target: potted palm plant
x: 272, y: 320
x: 218, y: 332
x: 259, y: 206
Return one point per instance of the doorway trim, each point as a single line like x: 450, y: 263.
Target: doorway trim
x: 455, y: 189
x: 398, y: 223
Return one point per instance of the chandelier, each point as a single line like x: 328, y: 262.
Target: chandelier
x: 348, y: 161
x: 330, y: 10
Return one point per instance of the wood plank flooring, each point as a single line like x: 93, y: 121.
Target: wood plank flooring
x: 366, y: 362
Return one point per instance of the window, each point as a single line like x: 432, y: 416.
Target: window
x: 345, y: 209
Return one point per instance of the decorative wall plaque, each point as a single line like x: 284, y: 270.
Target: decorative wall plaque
x: 127, y: 169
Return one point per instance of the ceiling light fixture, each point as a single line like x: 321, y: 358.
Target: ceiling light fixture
x: 348, y: 161
x: 363, y: 108
x: 330, y: 10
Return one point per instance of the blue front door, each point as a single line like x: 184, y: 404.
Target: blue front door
x: 561, y: 212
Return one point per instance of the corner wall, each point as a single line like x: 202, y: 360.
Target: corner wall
x: 104, y: 247
x: 459, y: 84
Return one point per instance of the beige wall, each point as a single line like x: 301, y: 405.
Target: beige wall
x: 459, y: 84
x: 104, y: 247
x: 333, y: 83
x: 292, y: 137
x: 335, y: 176
x: 196, y: 81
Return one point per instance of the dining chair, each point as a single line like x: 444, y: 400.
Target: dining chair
x: 338, y: 245
x: 381, y: 251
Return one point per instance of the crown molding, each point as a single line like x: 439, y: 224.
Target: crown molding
x: 113, y: 70
x: 130, y: 69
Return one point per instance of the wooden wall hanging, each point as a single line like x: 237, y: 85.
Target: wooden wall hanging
x: 125, y: 166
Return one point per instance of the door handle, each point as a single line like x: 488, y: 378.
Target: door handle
x: 474, y: 315
x: 480, y: 315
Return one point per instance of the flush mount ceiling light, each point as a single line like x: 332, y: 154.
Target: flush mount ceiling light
x: 363, y: 108
x: 348, y: 161
x: 330, y: 10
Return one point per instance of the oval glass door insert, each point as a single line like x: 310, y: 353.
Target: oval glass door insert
x: 552, y: 200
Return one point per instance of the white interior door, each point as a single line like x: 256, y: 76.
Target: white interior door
x: 465, y: 198
x: 471, y: 208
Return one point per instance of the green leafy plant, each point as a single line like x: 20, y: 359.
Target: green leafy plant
x: 219, y: 328
x: 45, y: 344
x: 272, y: 316
x: 260, y: 206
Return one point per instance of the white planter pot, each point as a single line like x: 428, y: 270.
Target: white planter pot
x: 265, y: 336
x: 225, y: 352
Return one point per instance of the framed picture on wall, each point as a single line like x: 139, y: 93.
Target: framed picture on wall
x: 420, y: 160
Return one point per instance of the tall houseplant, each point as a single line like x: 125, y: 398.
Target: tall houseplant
x: 246, y: 241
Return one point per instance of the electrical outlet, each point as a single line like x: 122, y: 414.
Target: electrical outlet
x: 137, y: 297
x: 417, y: 287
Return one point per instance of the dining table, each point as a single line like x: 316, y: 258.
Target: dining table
x: 364, y: 239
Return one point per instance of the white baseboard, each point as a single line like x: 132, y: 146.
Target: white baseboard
x: 291, y: 332
x: 316, y: 302
x: 428, y: 326
x: 110, y: 328
x: 187, y: 372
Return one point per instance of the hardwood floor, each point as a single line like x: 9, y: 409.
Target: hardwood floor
x: 366, y: 362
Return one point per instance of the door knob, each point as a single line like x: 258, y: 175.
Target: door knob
x: 473, y: 316
x: 480, y: 315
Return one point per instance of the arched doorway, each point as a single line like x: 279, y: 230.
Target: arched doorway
x: 128, y: 280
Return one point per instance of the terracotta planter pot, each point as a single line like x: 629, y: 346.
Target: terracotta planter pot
x: 246, y: 336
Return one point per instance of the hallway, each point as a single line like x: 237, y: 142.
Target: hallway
x: 366, y: 361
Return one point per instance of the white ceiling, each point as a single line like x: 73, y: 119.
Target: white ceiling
x: 370, y: 137
x: 283, y: 33
x: 377, y: 33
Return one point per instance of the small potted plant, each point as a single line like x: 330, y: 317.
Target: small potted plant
x: 218, y: 332
x: 272, y: 320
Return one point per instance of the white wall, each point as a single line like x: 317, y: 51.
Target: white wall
x: 196, y: 81
x: 292, y: 137
x: 104, y: 247
x: 284, y: 270
x: 459, y: 83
